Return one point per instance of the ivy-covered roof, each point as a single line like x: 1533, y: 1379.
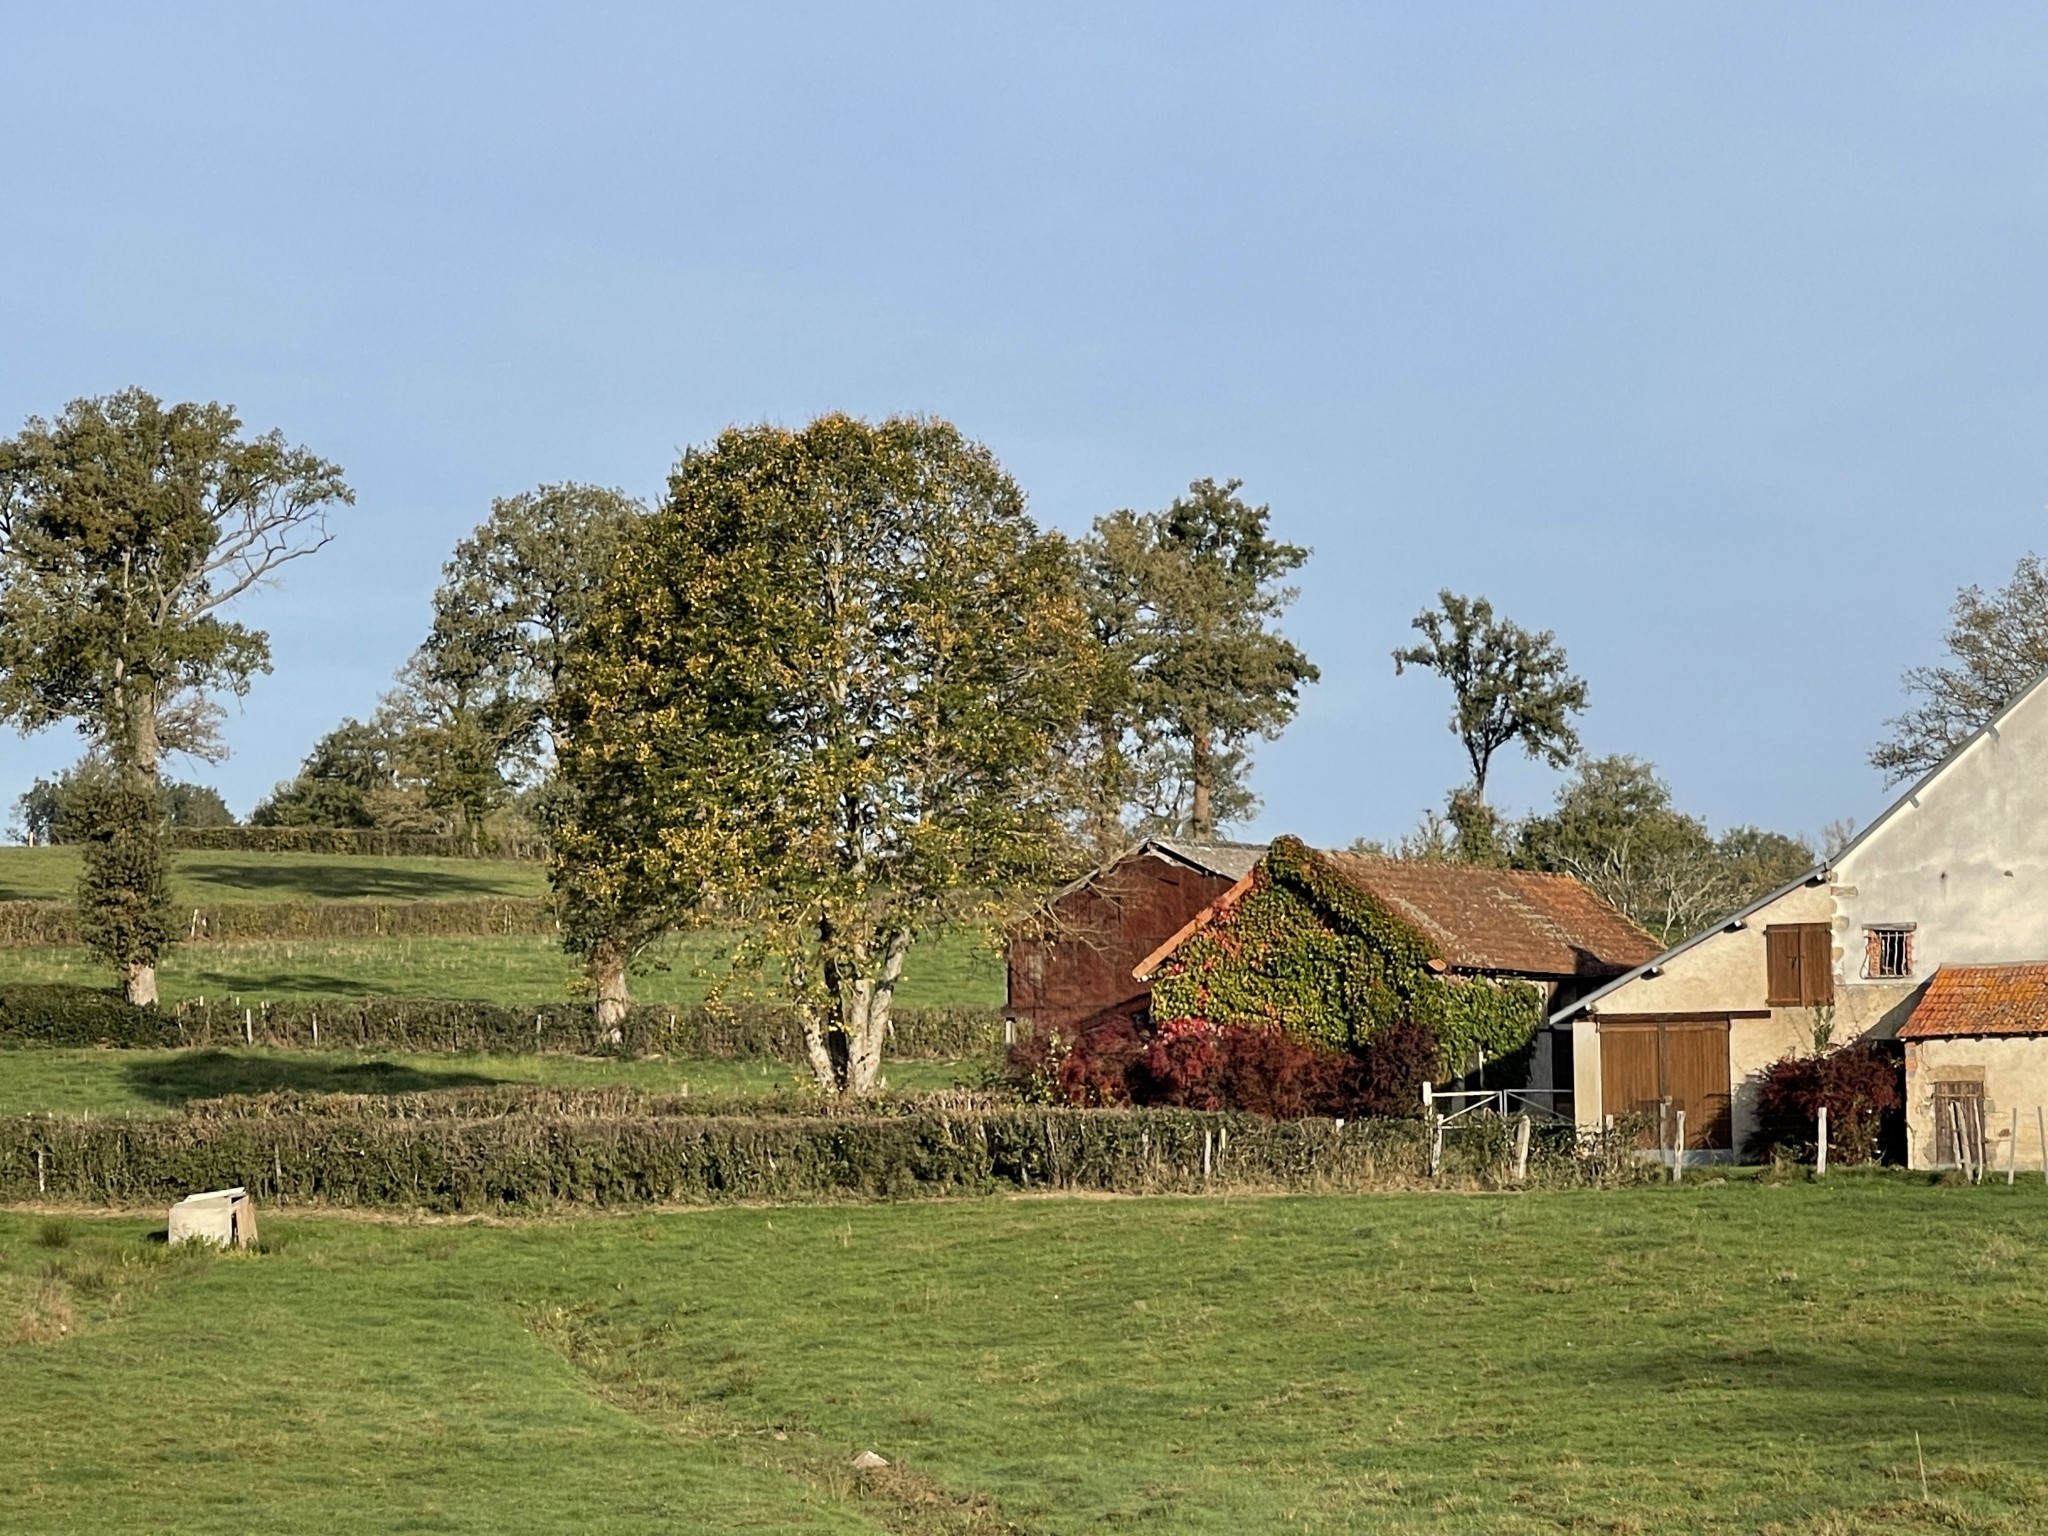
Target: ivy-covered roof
x: 1514, y: 921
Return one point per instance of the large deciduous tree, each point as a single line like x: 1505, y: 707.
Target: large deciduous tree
x: 126, y: 528
x: 512, y: 600
x: 515, y: 595
x: 1183, y: 602
x: 1997, y: 644
x: 1509, y: 686
x: 828, y: 693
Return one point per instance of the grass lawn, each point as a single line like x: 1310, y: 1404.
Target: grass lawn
x: 142, y: 1082
x: 954, y: 967
x: 199, y: 878
x: 1716, y: 1357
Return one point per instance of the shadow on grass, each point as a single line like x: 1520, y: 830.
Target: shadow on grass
x: 342, y: 989
x: 345, y: 879
x: 210, y: 1074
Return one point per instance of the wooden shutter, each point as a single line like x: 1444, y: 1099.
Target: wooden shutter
x: 1801, y: 964
x: 1816, y: 964
x: 1781, y: 944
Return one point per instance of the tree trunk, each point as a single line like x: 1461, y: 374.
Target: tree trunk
x: 824, y: 1061
x: 606, y: 968
x: 144, y: 748
x: 142, y: 984
x: 865, y: 1004
x: 1201, y: 772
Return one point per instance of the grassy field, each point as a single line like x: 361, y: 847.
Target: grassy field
x: 200, y: 878
x: 132, y: 1082
x: 1719, y: 1357
x: 955, y: 967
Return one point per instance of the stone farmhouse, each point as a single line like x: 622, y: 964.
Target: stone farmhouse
x: 1931, y: 928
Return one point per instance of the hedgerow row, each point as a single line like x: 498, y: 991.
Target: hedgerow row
x: 60, y: 1015
x: 38, y: 924
x: 535, y: 1161
x: 365, y: 841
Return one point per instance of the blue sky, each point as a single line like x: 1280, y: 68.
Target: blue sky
x: 1711, y: 338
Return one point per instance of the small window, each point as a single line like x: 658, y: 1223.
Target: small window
x: 1888, y: 950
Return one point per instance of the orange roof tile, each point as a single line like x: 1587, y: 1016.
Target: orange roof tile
x: 1981, y: 1000
x: 1513, y: 920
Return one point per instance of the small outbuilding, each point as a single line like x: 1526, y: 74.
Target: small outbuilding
x: 1977, y: 1066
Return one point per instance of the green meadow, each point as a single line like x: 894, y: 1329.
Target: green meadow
x: 200, y: 878
x: 1866, y: 1355
x: 99, y: 1082
x: 956, y: 967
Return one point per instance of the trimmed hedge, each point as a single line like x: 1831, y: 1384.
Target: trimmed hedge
x: 612, y: 1101
x: 355, y: 840
x: 60, y: 1015
x: 37, y: 924
x: 540, y: 1161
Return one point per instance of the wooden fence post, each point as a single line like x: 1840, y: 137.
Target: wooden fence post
x: 1522, y: 1146
x: 1820, y: 1159
x: 2012, y: 1153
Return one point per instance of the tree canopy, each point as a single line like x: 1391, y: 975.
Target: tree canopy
x: 514, y: 596
x: 1997, y: 644
x: 58, y: 809
x: 1508, y: 685
x: 1614, y: 825
x: 126, y: 528
x: 829, y: 690
x: 1183, y: 602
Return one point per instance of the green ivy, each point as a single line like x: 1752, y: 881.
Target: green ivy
x: 1306, y: 950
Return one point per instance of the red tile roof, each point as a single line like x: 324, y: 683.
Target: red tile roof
x: 1502, y: 919
x: 1981, y: 1000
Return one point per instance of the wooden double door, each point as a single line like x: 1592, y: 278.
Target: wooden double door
x: 1656, y: 1069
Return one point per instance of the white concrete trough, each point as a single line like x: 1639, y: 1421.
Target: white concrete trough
x: 224, y: 1217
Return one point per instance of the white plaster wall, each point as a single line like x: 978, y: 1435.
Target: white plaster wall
x: 2014, y: 1071
x: 1967, y: 860
x: 1729, y: 972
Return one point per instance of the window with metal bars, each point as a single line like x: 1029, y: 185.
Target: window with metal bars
x: 1888, y: 950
